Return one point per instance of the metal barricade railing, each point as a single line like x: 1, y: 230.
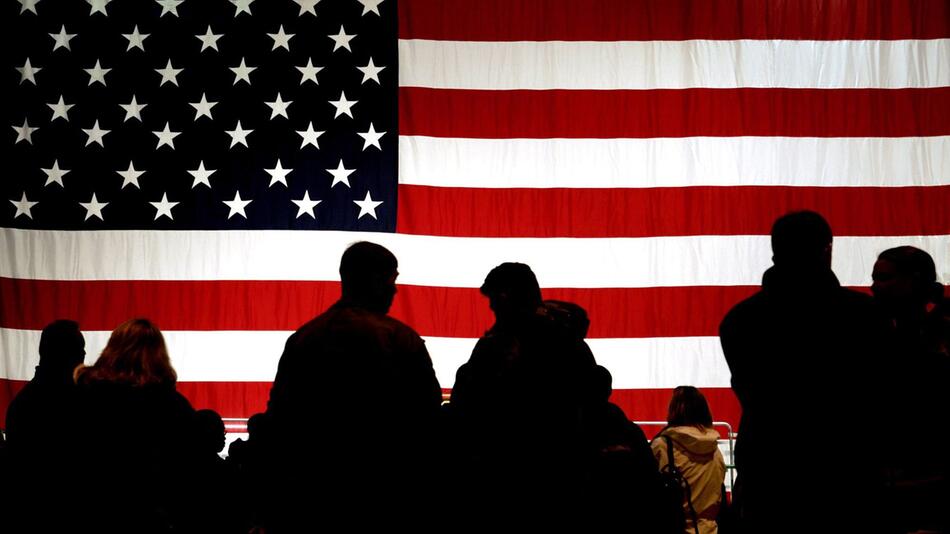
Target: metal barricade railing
x: 238, y: 425
x: 730, y: 438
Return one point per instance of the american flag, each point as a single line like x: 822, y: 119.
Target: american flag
x: 204, y: 163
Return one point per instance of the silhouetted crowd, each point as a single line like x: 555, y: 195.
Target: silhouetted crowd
x: 844, y: 396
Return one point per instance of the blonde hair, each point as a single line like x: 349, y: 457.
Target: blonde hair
x: 136, y: 355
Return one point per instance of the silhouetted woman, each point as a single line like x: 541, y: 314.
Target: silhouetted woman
x: 136, y: 440
x: 696, y: 455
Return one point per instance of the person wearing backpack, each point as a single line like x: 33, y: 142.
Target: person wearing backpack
x: 696, y: 458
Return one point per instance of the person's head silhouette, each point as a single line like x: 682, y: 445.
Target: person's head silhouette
x: 210, y: 432
x: 368, y: 274
x: 905, y: 280
x: 801, y: 241
x: 62, y: 347
x: 513, y: 292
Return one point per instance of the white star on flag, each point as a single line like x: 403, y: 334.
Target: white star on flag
x: 169, y: 74
x: 28, y: 5
x: 279, y: 107
x: 309, y: 136
x: 98, y: 6
x: 209, y: 40
x: 23, y: 206
x: 343, y: 106
x: 55, y: 175
x: 169, y: 6
x: 97, y: 74
x: 278, y: 174
x: 164, y: 207
x: 62, y: 38
x: 367, y: 206
x: 60, y: 109
x: 371, y: 137
x: 307, y: 6
x: 341, y: 175
x: 136, y: 39
x: 281, y: 39
x: 237, y: 205
x: 370, y: 5
x: 309, y: 73
x: 25, y: 132
x: 166, y: 137
x: 130, y: 176
x: 94, y: 208
x: 28, y: 72
x: 305, y: 205
x: 133, y: 110
x: 201, y: 175
x: 238, y: 135
x: 203, y: 108
x: 242, y: 72
x: 342, y: 40
x: 370, y: 72
x: 242, y: 6
x: 95, y: 135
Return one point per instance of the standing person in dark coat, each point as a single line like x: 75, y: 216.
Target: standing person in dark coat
x: 517, y: 404
x: 802, y: 352
x: 135, y: 445
x: 38, y: 419
x: 353, y: 410
x: 44, y: 409
x: 623, y: 481
x: 905, y: 284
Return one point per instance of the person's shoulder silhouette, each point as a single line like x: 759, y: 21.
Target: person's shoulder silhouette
x: 355, y: 345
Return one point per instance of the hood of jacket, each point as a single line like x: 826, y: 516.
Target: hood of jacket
x: 693, y: 439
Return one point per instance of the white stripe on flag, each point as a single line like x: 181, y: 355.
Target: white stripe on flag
x: 674, y: 64
x: 228, y: 356
x: 674, y: 162
x: 424, y: 260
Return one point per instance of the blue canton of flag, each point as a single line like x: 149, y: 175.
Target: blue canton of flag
x: 209, y: 114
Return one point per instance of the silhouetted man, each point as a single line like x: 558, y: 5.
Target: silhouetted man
x: 905, y: 285
x: 353, y: 409
x: 517, y: 403
x: 42, y: 411
x: 39, y: 419
x: 805, y: 356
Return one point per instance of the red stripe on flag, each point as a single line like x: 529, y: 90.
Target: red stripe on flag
x: 244, y: 399
x: 672, y: 211
x: 229, y: 399
x: 674, y: 113
x: 8, y: 390
x: 672, y: 20
x: 434, y: 311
